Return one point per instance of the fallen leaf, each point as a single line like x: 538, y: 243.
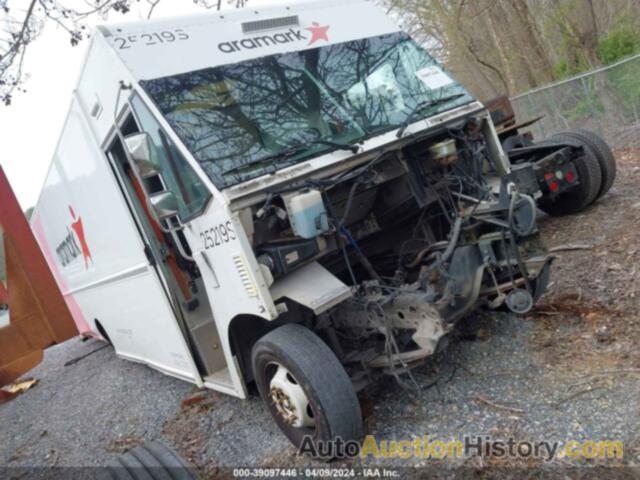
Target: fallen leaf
x: 193, y: 400
x: 19, y: 387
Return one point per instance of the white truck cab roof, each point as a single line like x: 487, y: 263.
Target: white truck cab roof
x: 207, y: 40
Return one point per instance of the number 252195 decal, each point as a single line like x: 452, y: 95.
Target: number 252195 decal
x: 218, y: 235
x: 150, y: 38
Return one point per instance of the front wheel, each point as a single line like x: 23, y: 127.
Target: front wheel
x: 305, y: 387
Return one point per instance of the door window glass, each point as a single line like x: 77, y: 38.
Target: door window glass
x: 177, y: 175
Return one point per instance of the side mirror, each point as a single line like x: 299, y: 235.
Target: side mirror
x: 143, y: 153
x: 165, y: 205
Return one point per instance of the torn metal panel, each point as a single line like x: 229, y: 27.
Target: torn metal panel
x: 408, y: 310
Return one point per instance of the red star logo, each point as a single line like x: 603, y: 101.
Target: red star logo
x: 79, y: 229
x: 318, y: 33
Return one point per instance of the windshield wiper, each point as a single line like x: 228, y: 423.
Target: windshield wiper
x: 337, y: 145
x: 290, y: 152
x: 421, y: 106
x: 286, y: 153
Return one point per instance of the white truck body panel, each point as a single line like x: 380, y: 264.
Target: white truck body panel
x: 108, y: 275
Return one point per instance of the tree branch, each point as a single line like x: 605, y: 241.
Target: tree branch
x: 18, y: 34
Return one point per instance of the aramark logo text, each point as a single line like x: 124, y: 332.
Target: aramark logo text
x: 317, y: 31
x: 69, y: 249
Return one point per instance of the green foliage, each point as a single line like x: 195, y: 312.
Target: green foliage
x: 619, y: 42
x: 563, y: 70
x: 572, y: 61
x: 585, y: 109
x: 625, y: 82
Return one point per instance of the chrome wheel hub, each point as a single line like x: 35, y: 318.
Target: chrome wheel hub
x: 290, y: 400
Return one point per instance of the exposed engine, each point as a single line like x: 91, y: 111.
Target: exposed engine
x: 419, y: 234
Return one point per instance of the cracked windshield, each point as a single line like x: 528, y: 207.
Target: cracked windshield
x: 245, y: 120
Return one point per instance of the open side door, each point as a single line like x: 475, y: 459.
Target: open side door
x: 37, y: 316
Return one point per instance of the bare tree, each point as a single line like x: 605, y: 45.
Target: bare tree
x: 22, y: 22
x: 510, y: 46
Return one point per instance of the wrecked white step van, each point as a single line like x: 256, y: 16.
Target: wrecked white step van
x: 285, y: 197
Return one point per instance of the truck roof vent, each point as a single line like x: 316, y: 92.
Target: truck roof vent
x: 270, y: 24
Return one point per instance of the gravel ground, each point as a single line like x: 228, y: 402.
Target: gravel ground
x: 569, y: 370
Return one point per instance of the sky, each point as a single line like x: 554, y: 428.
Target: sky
x: 31, y: 125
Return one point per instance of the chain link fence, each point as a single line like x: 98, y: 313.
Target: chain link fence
x: 606, y: 100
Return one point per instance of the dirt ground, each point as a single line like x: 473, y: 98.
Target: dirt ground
x: 569, y: 370
x: 596, y: 292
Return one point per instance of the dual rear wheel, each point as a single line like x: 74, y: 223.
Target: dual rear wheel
x: 596, y: 173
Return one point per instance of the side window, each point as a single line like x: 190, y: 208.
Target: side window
x: 177, y: 174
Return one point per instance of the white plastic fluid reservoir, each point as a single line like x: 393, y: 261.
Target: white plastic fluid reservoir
x: 307, y: 213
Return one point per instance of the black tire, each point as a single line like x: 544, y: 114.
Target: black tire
x: 151, y: 461
x: 602, y: 152
x: 316, y: 369
x: 515, y: 141
x: 582, y: 195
